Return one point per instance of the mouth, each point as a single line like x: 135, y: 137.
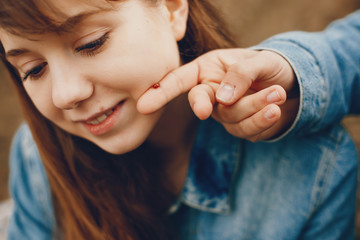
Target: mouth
x: 100, y: 118
x: 104, y: 122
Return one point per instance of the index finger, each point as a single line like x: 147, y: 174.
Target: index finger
x: 175, y: 83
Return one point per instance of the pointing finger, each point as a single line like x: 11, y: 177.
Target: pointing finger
x: 172, y: 85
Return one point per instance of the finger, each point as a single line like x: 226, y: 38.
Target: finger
x: 202, y: 99
x: 259, y: 70
x: 249, y: 105
x: 289, y: 112
x: 250, y: 127
x: 172, y: 85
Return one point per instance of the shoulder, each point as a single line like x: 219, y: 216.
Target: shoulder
x: 25, y: 162
x: 23, y: 144
x: 29, y: 189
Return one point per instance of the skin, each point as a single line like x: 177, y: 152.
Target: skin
x: 75, y: 85
x: 245, y: 90
x: 70, y: 79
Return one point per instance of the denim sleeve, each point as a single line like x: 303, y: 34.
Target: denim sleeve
x: 327, y: 67
x: 32, y: 217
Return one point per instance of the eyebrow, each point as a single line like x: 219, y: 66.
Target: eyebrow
x: 68, y: 25
x: 16, y: 52
x: 71, y: 22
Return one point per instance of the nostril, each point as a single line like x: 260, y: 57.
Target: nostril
x: 72, y: 106
x: 69, y: 91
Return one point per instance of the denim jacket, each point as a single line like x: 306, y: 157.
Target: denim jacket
x: 302, y: 186
x: 327, y: 66
x: 295, y: 188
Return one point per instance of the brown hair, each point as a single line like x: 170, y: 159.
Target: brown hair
x: 97, y: 195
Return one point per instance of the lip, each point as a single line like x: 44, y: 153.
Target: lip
x: 106, y: 125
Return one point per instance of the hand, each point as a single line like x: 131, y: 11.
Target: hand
x: 245, y: 90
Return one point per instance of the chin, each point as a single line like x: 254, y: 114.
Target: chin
x: 121, y: 147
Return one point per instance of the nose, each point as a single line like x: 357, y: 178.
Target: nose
x: 70, y: 88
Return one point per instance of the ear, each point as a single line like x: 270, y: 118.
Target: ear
x: 178, y: 14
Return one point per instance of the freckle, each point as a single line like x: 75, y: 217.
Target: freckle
x: 101, y: 109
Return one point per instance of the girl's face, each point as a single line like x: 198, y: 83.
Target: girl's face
x: 87, y: 81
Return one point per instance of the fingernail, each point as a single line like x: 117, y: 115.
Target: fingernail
x: 225, y: 92
x: 273, y: 97
x: 269, y: 114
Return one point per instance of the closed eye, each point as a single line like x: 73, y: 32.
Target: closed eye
x: 92, y: 48
x: 36, y: 72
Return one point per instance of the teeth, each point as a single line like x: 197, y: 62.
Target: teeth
x: 101, y: 118
x: 109, y: 112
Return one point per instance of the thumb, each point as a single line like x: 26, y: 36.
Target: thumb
x: 260, y: 71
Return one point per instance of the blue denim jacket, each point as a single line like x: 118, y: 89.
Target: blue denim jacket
x: 327, y: 66
x: 295, y: 188
x: 302, y: 186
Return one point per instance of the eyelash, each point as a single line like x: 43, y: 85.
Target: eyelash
x: 35, y: 73
x: 90, y: 49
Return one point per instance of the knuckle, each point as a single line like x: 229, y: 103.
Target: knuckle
x: 255, y: 138
x: 178, y: 81
x: 224, y: 113
x: 216, y: 117
x: 256, y: 125
x: 237, y: 69
x: 278, y: 88
x: 238, y: 130
x: 165, y: 96
x: 258, y: 103
x: 241, y: 71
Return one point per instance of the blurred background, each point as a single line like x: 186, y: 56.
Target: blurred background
x: 251, y: 20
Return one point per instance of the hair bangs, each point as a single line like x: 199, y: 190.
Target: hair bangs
x: 29, y: 17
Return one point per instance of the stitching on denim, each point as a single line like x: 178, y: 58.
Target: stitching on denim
x: 326, y: 164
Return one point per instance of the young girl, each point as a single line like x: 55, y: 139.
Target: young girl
x: 109, y: 171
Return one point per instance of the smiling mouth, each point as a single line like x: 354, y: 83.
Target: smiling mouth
x: 101, y: 118
x: 105, y: 122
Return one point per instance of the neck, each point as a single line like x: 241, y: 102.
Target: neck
x: 176, y: 126
x: 174, y: 135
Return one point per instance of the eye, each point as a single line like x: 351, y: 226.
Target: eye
x: 92, y: 48
x: 35, y: 73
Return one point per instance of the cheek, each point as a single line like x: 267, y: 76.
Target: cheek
x: 139, y: 56
x: 41, y: 97
x: 137, y: 71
